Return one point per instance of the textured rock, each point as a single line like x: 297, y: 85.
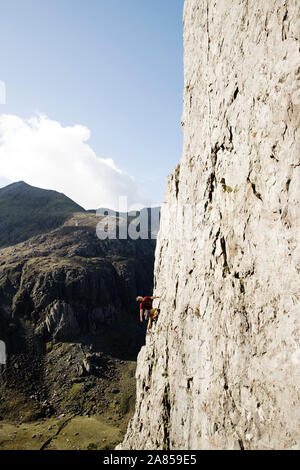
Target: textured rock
x: 221, y: 368
x: 60, y: 322
x: 65, y: 294
x: 68, y: 282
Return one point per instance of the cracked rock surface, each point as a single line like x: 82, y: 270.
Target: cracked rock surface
x: 221, y: 367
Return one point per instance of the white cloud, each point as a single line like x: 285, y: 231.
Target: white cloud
x: 43, y: 153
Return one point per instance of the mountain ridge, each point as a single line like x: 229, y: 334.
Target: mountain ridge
x: 26, y: 211
x: 68, y: 314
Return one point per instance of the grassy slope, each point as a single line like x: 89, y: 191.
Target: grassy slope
x: 81, y: 433
x: 95, y: 432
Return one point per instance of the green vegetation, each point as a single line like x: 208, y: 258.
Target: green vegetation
x: 227, y: 189
x: 80, y: 433
x: 92, y: 432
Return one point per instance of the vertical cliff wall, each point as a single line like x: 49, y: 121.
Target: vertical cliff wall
x: 221, y: 367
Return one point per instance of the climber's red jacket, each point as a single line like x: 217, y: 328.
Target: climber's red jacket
x: 146, y: 304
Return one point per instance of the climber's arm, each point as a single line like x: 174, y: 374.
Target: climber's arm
x: 153, y: 298
x: 141, y: 315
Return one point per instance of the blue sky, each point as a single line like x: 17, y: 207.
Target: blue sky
x: 113, y: 66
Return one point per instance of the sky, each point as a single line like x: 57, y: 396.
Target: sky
x: 93, y: 97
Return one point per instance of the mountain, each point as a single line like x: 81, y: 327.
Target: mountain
x: 221, y: 369
x: 68, y: 314
x: 26, y: 211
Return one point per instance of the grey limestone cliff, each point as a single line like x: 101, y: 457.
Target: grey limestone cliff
x: 221, y: 367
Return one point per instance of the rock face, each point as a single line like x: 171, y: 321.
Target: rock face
x: 221, y: 367
x: 68, y: 313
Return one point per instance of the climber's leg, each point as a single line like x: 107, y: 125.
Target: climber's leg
x: 146, y: 314
x: 153, y: 314
x: 149, y: 324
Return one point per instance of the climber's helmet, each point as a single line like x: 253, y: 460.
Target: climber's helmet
x: 139, y: 298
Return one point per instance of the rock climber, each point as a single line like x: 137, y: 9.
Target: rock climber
x: 147, y: 311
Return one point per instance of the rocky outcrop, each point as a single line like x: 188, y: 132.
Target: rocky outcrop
x: 68, y: 282
x: 69, y: 317
x: 221, y: 367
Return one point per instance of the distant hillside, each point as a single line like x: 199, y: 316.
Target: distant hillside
x: 68, y: 311
x: 26, y: 211
x: 70, y: 322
